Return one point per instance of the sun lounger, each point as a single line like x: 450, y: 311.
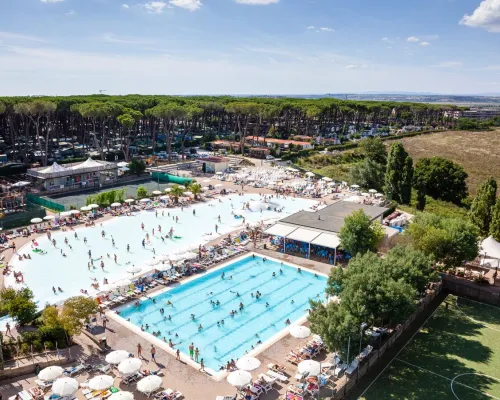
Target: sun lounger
x: 44, y: 385
x: 173, y: 394
x: 104, y: 368
x: 226, y: 397
x: 72, y: 371
x: 277, y: 375
x: 36, y: 393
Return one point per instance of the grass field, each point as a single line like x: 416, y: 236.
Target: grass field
x: 455, y: 355
x: 477, y: 152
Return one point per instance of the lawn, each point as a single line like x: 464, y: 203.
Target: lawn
x: 477, y: 152
x: 455, y: 355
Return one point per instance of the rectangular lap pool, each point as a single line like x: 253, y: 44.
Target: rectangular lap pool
x: 284, y: 296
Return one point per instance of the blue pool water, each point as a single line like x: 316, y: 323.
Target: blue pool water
x: 219, y: 344
x: 71, y: 272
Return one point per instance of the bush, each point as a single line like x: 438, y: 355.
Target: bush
x: 137, y: 166
x: 142, y: 192
x: 25, y: 348
x: 49, y: 345
x: 30, y: 337
x: 51, y: 334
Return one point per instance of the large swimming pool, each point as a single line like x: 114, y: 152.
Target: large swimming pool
x: 283, y: 296
x: 71, y: 273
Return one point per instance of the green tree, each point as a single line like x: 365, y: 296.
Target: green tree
x: 374, y: 150
x: 195, y: 188
x: 481, y: 209
x: 18, y: 304
x: 50, y: 317
x: 142, y: 192
x: 137, y: 166
x: 176, y: 192
x: 368, y: 174
x: 451, y: 241
x: 442, y: 179
x: 75, y: 311
x: 359, y: 234
x: 399, y: 174
x: 495, y: 221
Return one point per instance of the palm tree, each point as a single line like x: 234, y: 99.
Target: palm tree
x: 195, y: 188
x: 176, y: 192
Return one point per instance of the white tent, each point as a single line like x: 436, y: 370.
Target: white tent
x: 53, y: 168
x: 330, y: 240
x: 490, y: 248
x: 303, y: 235
x: 89, y: 163
x: 280, y: 230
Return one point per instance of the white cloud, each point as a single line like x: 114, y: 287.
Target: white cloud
x: 425, y: 44
x: 485, y: 16
x: 18, y: 36
x: 70, y: 13
x: 413, y: 39
x: 257, y: 2
x: 324, y: 29
x: 112, y: 38
x: 155, y: 7
x: 351, y: 66
x: 51, y: 1
x: 449, y: 64
x: 126, y: 6
x: 311, y: 28
x: 191, y: 5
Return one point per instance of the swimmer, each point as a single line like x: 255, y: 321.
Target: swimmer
x: 128, y: 247
x: 54, y: 289
x: 116, y: 259
x: 58, y: 288
x: 281, y: 271
x: 193, y: 317
x: 169, y: 303
x: 287, y: 322
x: 292, y: 301
x: 76, y: 236
x: 274, y: 274
x: 200, y: 327
x: 299, y: 270
x: 85, y: 240
x: 267, y: 305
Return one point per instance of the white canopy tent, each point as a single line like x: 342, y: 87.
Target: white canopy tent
x: 280, y: 230
x: 490, y: 250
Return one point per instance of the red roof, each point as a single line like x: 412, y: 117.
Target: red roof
x: 278, y: 141
x: 214, y: 159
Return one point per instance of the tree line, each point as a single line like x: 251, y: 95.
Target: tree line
x: 28, y: 123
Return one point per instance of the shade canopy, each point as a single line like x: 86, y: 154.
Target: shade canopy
x: 36, y: 220
x: 247, y: 363
x: 117, y: 356
x: 372, y: 191
x: 326, y: 179
x: 156, y: 192
x: 239, y: 378
x: 101, y: 382
x: 490, y: 248
x: 93, y: 205
x: 310, y: 366
x: 303, y: 235
x: 330, y: 240
x: 152, y: 262
x: 48, y: 217
x: 145, y: 200
x: 85, y: 208
x: 133, y: 269
x: 122, y: 164
x: 149, y: 384
x: 50, y: 373
x: 129, y: 201
x: 300, y: 332
x: 65, y: 386
x: 280, y: 230
x: 116, y: 205
x: 309, y: 173
x: 130, y: 366
x: 66, y: 214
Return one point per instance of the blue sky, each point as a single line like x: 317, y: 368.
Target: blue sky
x: 248, y: 46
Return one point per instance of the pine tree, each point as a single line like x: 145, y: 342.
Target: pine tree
x: 399, y: 174
x: 481, y: 209
x: 495, y: 221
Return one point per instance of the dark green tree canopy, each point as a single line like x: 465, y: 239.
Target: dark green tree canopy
x: 442, y: 179
x: 359, y: 235
x: 399, y: 174
x: 481, y: 209
x: 495, y: 221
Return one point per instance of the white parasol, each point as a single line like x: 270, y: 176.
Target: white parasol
x: 152, y: 262
x: 36, y: 220
x: 239, y: 378
x: 145, y: 200
x: 101, y: 382
x: 247, y: 363
x: 66, y: 214
x: 116, y: 205
x: 129, y: 201
x: 168, y: 190
x: 149, y: 384
x: 156, y: 192
x: 49, y: 218
x: 299, y: 331
x: 133, y: 269
x: 310, y: 366
x: 65, y: 386
x: 117, y: 356
x: 129, y: 366
x: 74, y: 212
x: 372, y: 191
x: 93, y: 205
x: 121, y: 396
x: 50, y: 373
x: 86, y: 208
x: 107, y: 287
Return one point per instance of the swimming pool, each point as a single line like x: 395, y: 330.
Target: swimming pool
x: 284, y: 296
x: 71, y: 273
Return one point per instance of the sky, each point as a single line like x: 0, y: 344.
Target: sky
x: 64, y: 47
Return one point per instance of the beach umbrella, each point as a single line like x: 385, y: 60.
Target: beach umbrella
x: 182, y: 187
x: 122, y: 283
x: 355, y: 186
x: 117, y: 356
x: 372, y: 191
x: 239, y: 378
x: 309, y: 173
x: 145, y: 200
x: 205, y: 188
x: 206, y: 180
x: 85, y: 208
x: 116, y: 205
x: 48, y: 218
x: 50, y: 373
x: 36, y: 220
x: 93, y: 206
x: 379, y: 195
x: 129, y: 366
x: 156, y: 192
x: 122, y: 164
x: 332, y: 184
x: 107, y: 287
x: 149, y: 384
x: 299, y: 331
x: 133, y: 269
x: 65, y: 386
x: 326, y: 179
x: 219, y: 185
x: 218, y: 173
x: 101, y: 382
x: 164, y: 197
x: 188, y: 193
x: 74, y: 212
x: 247, y: 363
x: 66, y: 214
x: 310, y: 366
x: 168, y: 190
x: 121, y: 396
x: 152, y: 262
x: 365, y: 194
x: 163, y: 257
x: 129, y: 201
